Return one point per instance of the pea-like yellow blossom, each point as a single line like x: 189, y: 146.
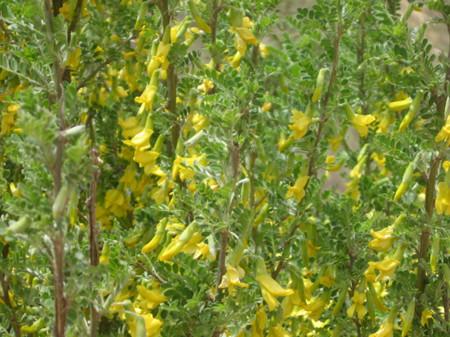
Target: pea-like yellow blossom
x: 300, y: 124
x: 361, y: 123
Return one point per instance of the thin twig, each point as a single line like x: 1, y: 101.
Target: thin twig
x: 424, y: 242
x: 61, y: 304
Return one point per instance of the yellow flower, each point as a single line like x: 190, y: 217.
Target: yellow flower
x: 386, y: 119
x: 232, y: 278
x: 327, y: 279
x: 283, y: 143
x: 246, y: 35
x: 358, y: 300
x: 116, y: 202
x: 335, y: 142
x: 15, y: 191
x: 380, y: 160
x: 361, y: 123
x: 104, y: 257
x: 332, y: 165
x: 300, y: 124
x: 270, y: 288
x: 199, y: 122
x: 206, y: 86
x: 400, y: 105
x: 73, y: 59
x: 356, y: 171
x: 151, y: 298
x: 8, y: 119
x: 263, y: 50
x: 178, y: 243
x: 446, y: 165
x: 427, y: 314
x: 152, y: 325
x: 386, y: 268
x: 130, y: 126
x: 235, y: 60
x: 382, y: 239
x: 386, y: 329
x: 147, y: 97
x: 259, y: 323
x: 443, y: 198
x: 266, y: 107
x: 316, y: 306
x: 297, y: 191
x: 352, y: 188
x: 278, y: 331
x: 444, y: 134
x: 33, y: 328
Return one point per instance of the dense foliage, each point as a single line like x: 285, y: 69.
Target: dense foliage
x: 214, y: 168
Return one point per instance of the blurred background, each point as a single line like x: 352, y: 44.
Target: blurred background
x: 436, y: 33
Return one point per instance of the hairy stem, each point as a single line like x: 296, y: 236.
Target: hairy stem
x: 172, y: 79
x: 424, y: 242
x: 58, y: 236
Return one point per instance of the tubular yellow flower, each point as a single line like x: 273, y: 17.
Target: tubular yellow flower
x: 427, y: 314
x: 33, y: 328
x: 259, y: 323
x: 266, y: 107
x: 406, y: 180
x: 246, y: 35
x: 320, y: 81
x: 332, y: 165
x: 385, y: 120
x: 358, y: 300
x: 386, y: 329
x: 157, y: 238
x: 386, y: 267
x: 361, y: 124
x: 316, y: 306
x: 400, y: 105
x: 207, y: 86
x: 152, y: 325
x: 356, y: 171
x: 443, y: 199
x: 278, y: 331
x: 297, y: 191
x: 130, y: 126
x: 263, y: 50
x: 444, y: 134
x: 104, y: 257
x: 382, y: 239
x: 380, y: 160
x: 446, y: 165
x: 151, y: 297
x: 147, y: 97
x: 178, y: 243
x: 73, y: 59
x: 270, y: 288
x: 8, y: 119
x: 408, y: 317
x: 413, y: 109
x: 300, y: 124
x: 335, y: 142
x: 232, y: 278
x: 142, y: 139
